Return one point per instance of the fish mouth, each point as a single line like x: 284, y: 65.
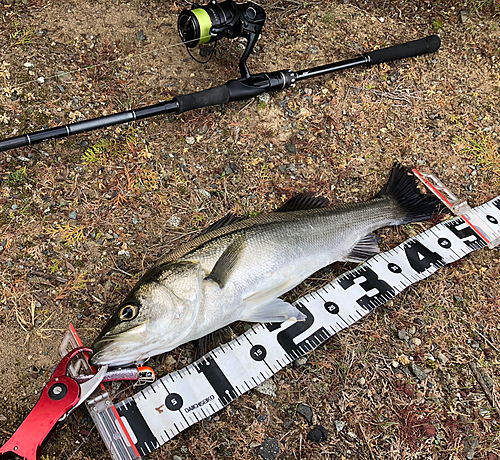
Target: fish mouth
x: 132, y: 334
x: 120, y: 348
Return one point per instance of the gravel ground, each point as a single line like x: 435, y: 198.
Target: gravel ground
x: 82, y: 218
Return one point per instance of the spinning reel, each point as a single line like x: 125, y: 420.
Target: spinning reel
x: 210, y: 23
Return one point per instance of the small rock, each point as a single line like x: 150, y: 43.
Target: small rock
x: 339, y: 425
x: 190, y: 140
x: 318, y: 434
x: 264, y: 97
x: 428, y: 430
x: 63, y: 76
x: 403, y: 335
x: 174, y: 221
x: 361, y: 381
x: 463, y: 15
x: 176, y: 457
x: 291, y: 148
x: 140, y: 36
x: 3, y: 418
x: 306, y: 411
x: 395, y: 364
x: 416, y: 341
x: 169, y: 361
x: 262, y: 418
x: 73, y: 215
x: 404, y: 360
x: 268, y: 387
x: 393, y: 76
x: 417, y: 371
x: 301, y: 361
x: 269, y: 449
x: 231, y: 168
x: 475, y: 345
x: 40, y: 80
x: 60, y: 88
x: 412, y: 330
x: 288, y: 423
x: 440, y: 356
x: 135, y: 220
x: 470, y: 446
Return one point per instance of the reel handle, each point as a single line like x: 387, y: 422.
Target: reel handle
x: 405, y: 50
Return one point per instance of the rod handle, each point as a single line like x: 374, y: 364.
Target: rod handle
x: 425, y: 45
x: 206, y: 98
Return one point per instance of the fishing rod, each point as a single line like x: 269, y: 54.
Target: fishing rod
x: 208, y: 24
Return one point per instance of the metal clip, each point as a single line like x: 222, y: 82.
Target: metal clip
x: 459, y: 207
x: 456, y: 205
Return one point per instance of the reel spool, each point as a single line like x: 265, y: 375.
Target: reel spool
x: 210, y: 23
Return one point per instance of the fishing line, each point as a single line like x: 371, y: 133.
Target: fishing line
x: 93, y: 66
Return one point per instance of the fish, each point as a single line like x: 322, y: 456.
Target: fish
x: 238, y: 269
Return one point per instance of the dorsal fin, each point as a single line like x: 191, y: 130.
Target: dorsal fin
x: 230, y: 223
x: 225, y: 221
x: 303, y: 202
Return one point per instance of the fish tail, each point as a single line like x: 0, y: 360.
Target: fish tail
x: 402, y: 187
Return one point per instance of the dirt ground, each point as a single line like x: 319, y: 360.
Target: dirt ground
x: 82, y: 218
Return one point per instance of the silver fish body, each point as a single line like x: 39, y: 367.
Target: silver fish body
x: 239, y: 271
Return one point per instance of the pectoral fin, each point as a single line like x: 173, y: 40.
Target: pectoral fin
x: 365, y: 248
x: 276, y: 311
x: 224, y: 267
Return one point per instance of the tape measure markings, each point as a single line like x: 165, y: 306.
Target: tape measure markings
x: 201, y: 389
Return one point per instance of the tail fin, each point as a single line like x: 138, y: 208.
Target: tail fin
x: 402, y: 187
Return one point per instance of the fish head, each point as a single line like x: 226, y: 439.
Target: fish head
x: 153, y: 318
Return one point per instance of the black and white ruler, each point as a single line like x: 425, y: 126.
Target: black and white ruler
x: 140, y: 424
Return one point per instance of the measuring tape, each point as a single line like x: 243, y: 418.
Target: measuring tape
x: 138, y: 425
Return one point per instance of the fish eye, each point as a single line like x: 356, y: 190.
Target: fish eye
x: 128, y: 312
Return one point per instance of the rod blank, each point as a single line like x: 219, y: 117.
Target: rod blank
x: 233, y: 90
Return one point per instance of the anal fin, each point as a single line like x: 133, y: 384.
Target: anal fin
x: 365, y: 248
